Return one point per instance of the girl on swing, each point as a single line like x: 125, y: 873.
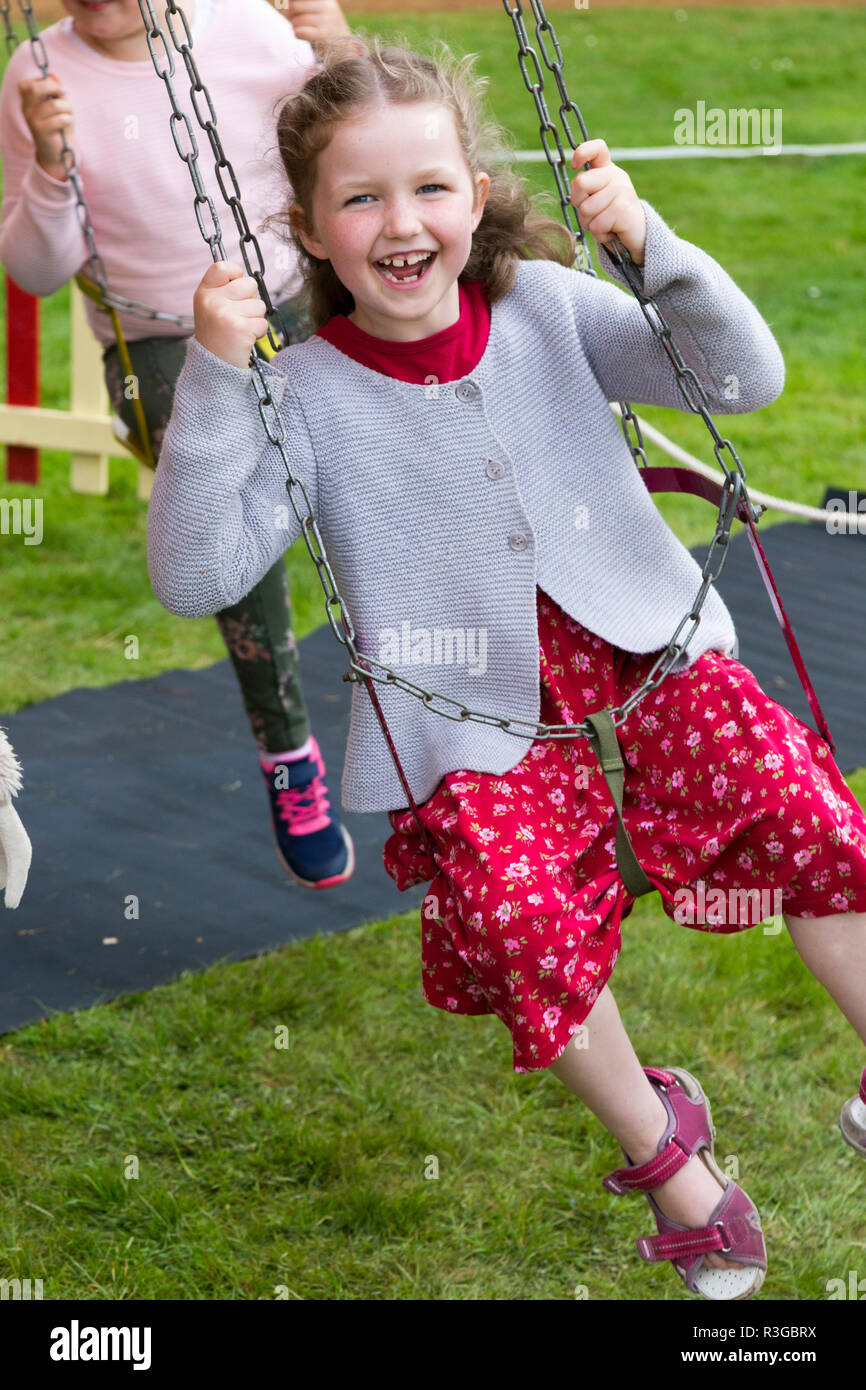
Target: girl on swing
x: 104, y: 93
x: 449, y: 419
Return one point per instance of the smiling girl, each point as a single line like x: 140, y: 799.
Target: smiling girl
x: 448, y: 418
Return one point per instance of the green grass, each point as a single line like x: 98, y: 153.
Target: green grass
x: 304, y: 1169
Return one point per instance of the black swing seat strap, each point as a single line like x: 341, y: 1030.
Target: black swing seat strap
x: 605, y: 745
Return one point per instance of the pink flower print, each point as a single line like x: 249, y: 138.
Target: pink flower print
x: 520, y: 869
x: 658, y: 851
x: 693, y: 739
x: 749, y: 708
x: 666, y: 745
x: 548, y: 961
x: 802, y: 858
x: 500, y: 809
x: 650, y: 721
x: 759, y: 731
x: 487, y: 835
x: 475, y: 921
x: 538, y: 751
x: 746, y: 797
x: 525, y: 832
x: 709, y: 714
x: 839, y: 900
x: 451, y: 1002
x: 551, y: 1017
x: 745, y: 861
x: 511, y: 944
x: 459, y: 786
x: 720, y: 782
x: 727, y: 730
x: 556, y: 797
x: 711, y: 847
x: 773, y: 761
x: 505, y: 911
x: 774, y: 846
x: 536, y: 899
x: 677, y: 778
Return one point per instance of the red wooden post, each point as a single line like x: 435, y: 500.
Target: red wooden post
x: 22, y: 374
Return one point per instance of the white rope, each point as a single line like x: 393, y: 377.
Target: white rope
x: 779, y: 503
x: 707, y: 151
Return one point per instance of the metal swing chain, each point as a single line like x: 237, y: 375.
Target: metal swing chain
x: 735, y: 499
x: 275, y: 428
x: 95, y: 262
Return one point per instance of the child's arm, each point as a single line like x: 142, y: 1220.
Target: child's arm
x: 716, y: 327
x: 41, y: 242
x: 220, y: 514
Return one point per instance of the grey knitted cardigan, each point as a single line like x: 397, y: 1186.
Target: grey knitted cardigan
x: 442, y: 506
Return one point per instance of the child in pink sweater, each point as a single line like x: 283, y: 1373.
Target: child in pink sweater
x: 103, y: 91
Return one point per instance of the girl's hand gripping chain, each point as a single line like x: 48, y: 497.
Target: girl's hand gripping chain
x: 606, y: 202
x: 229, y: 315
x: 47, y: 113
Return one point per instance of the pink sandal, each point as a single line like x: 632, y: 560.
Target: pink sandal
x: 734, y: 1226
x: 852, y: 1120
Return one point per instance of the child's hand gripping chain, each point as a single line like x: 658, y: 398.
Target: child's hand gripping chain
x: 229, y: 315
x: 606, y: 201
x: 47, y: 113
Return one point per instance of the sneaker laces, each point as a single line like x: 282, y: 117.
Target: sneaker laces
x: 305, y: 809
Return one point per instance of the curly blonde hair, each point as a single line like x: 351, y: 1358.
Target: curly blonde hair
x: 357, y: 76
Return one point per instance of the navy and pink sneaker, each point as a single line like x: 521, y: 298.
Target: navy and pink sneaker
x: 312, y: 845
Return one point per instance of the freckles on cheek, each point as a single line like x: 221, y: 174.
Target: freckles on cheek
x: 353, y: 243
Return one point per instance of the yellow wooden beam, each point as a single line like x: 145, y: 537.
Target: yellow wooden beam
x: 57, y: 429
x: 88, y: 395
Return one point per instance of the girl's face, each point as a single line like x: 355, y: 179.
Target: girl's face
x: 395, y: 181
x: 114, y: 26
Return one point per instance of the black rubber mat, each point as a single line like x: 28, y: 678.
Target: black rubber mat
x: 151, y: 790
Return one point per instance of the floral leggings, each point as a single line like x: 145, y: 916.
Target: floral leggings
x: 257, y: 631
x: 724, y: 790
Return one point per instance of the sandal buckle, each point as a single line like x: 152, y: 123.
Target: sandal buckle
x: 726, y: 1249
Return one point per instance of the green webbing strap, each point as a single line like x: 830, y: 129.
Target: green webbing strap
x: 605, y: 745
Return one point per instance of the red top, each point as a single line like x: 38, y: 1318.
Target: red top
x: 448, y: 355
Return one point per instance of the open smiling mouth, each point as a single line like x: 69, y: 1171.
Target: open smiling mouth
x: 411, y: 272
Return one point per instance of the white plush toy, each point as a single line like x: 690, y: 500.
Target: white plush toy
x: 15, y: 848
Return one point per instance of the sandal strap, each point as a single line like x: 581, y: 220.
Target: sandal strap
x: 691, y: 1243
x: 863, y: 1086
x: 653, y: 1173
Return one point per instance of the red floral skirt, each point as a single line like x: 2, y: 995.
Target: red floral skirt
x: 724, y: 790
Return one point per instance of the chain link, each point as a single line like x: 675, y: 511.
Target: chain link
x: 275, y: 429
x: 96, y: 267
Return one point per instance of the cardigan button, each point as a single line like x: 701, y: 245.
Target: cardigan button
x: 467, y: 391
x: 494, y: 468
x: 518, y: 540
